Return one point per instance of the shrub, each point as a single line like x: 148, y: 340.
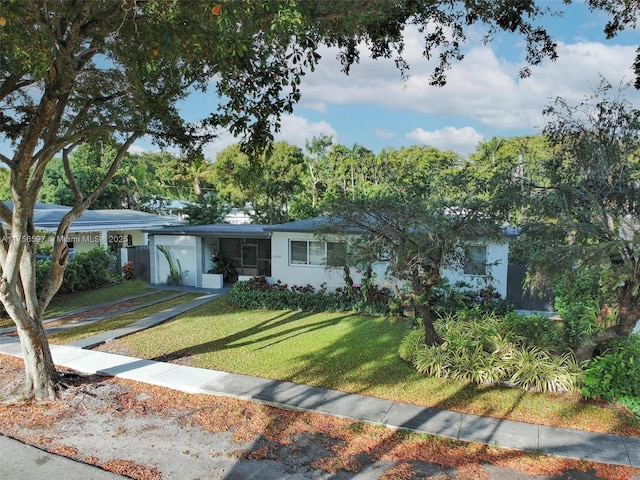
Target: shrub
x: 128, y: 272
x: 534, y: 369
x: 615, y: 374
x: 582, y: 304
x: 257, y: 293
x: 410, y: 345
x: 434, y: 361
x: 538, y: 330
x: 482, y: 348
x: 449, y: 299
x: 88, y: 270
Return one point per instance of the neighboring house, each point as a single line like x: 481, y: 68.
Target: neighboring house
x: 106, y: 228
x: 239, y: 216
x: 294, y: 254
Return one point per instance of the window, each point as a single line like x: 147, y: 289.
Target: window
x: 311, y: 252
x: 475, y: 260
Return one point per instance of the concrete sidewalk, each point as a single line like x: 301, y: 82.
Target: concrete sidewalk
x: 20, y: 461
x: 563, y: 442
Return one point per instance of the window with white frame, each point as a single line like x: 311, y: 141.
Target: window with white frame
x: 316, y: 253
x: 475, y: 260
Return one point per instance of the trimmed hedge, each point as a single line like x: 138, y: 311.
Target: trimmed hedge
x: 257, y: 293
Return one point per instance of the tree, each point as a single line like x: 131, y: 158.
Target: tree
x: 317, y: 166
x: 268, y: 181
x: 139, y: 184
x: 507, y: 169
x: 76, y: 72
x: 207, y: 210
x: 587, y: 217
x: 195, y: 173
x: 418, y: 227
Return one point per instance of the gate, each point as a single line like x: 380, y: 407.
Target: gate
x: 139, y: 256
x: 523, y: 299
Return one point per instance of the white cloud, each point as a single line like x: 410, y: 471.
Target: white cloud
x: 297, y: 130
x: 137, y: 149
x: 382, y: 133
x: 461, y: 140
x: 483, y: 87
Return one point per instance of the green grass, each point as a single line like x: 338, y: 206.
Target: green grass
x: 65, y: 303
x: 83, y: 331
x: 347, y: 352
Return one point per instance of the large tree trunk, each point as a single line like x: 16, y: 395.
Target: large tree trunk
x: 422, y: 286
x: 22, y: 305
x: 431, y: 337
x: 41, y: 378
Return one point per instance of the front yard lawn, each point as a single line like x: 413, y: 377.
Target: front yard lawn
x: 83, y: 331
x: 351, y: 353
x: 64, y: 303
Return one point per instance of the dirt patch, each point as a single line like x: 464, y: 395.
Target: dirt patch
x: 94, y: 312
x: 152, y: 433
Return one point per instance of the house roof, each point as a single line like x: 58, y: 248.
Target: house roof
x: 312, y: 225
x: 309, y: 225
x: 218, y: 229
x: 48, y: 217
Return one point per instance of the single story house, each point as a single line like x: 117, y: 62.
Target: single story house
x: 106, y: 228
x: 294, y: 254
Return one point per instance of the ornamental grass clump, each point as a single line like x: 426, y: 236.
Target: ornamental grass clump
x: 487, y: 350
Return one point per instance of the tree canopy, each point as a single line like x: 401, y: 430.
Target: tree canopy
x: 418, y: 225
x: 116, y: 70
x: 584, y: 222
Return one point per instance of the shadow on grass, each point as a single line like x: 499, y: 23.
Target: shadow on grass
x: 270, y: 330
x: 363, y: 357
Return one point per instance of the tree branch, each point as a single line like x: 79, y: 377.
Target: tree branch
x: 69, y: 174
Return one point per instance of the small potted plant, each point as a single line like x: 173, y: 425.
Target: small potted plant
x: 223, y: 265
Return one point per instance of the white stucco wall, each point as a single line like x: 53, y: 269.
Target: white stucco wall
x: 497, y: 266
x: 312, y: 274
x: 181, y: 247
x: 333, y: 277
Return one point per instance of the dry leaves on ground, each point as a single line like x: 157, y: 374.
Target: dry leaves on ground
x: 150, y: 432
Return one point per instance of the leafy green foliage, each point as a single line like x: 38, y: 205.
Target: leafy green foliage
x: 222, y: 264
x: 584, y: 218
x: 257, y: 293
x: 615, y: 373
x: 407, y: 220
x: 270, y: 181
x: 581, y: 303
x: 448, y: 299
x: 207, y: 210
x: 488, y: 349
x: 539, y: 330
x: 410, y: 345
x: 176, y: 274
x: 88, y: 270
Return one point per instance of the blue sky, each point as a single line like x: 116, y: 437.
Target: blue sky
x: 484, y: 96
